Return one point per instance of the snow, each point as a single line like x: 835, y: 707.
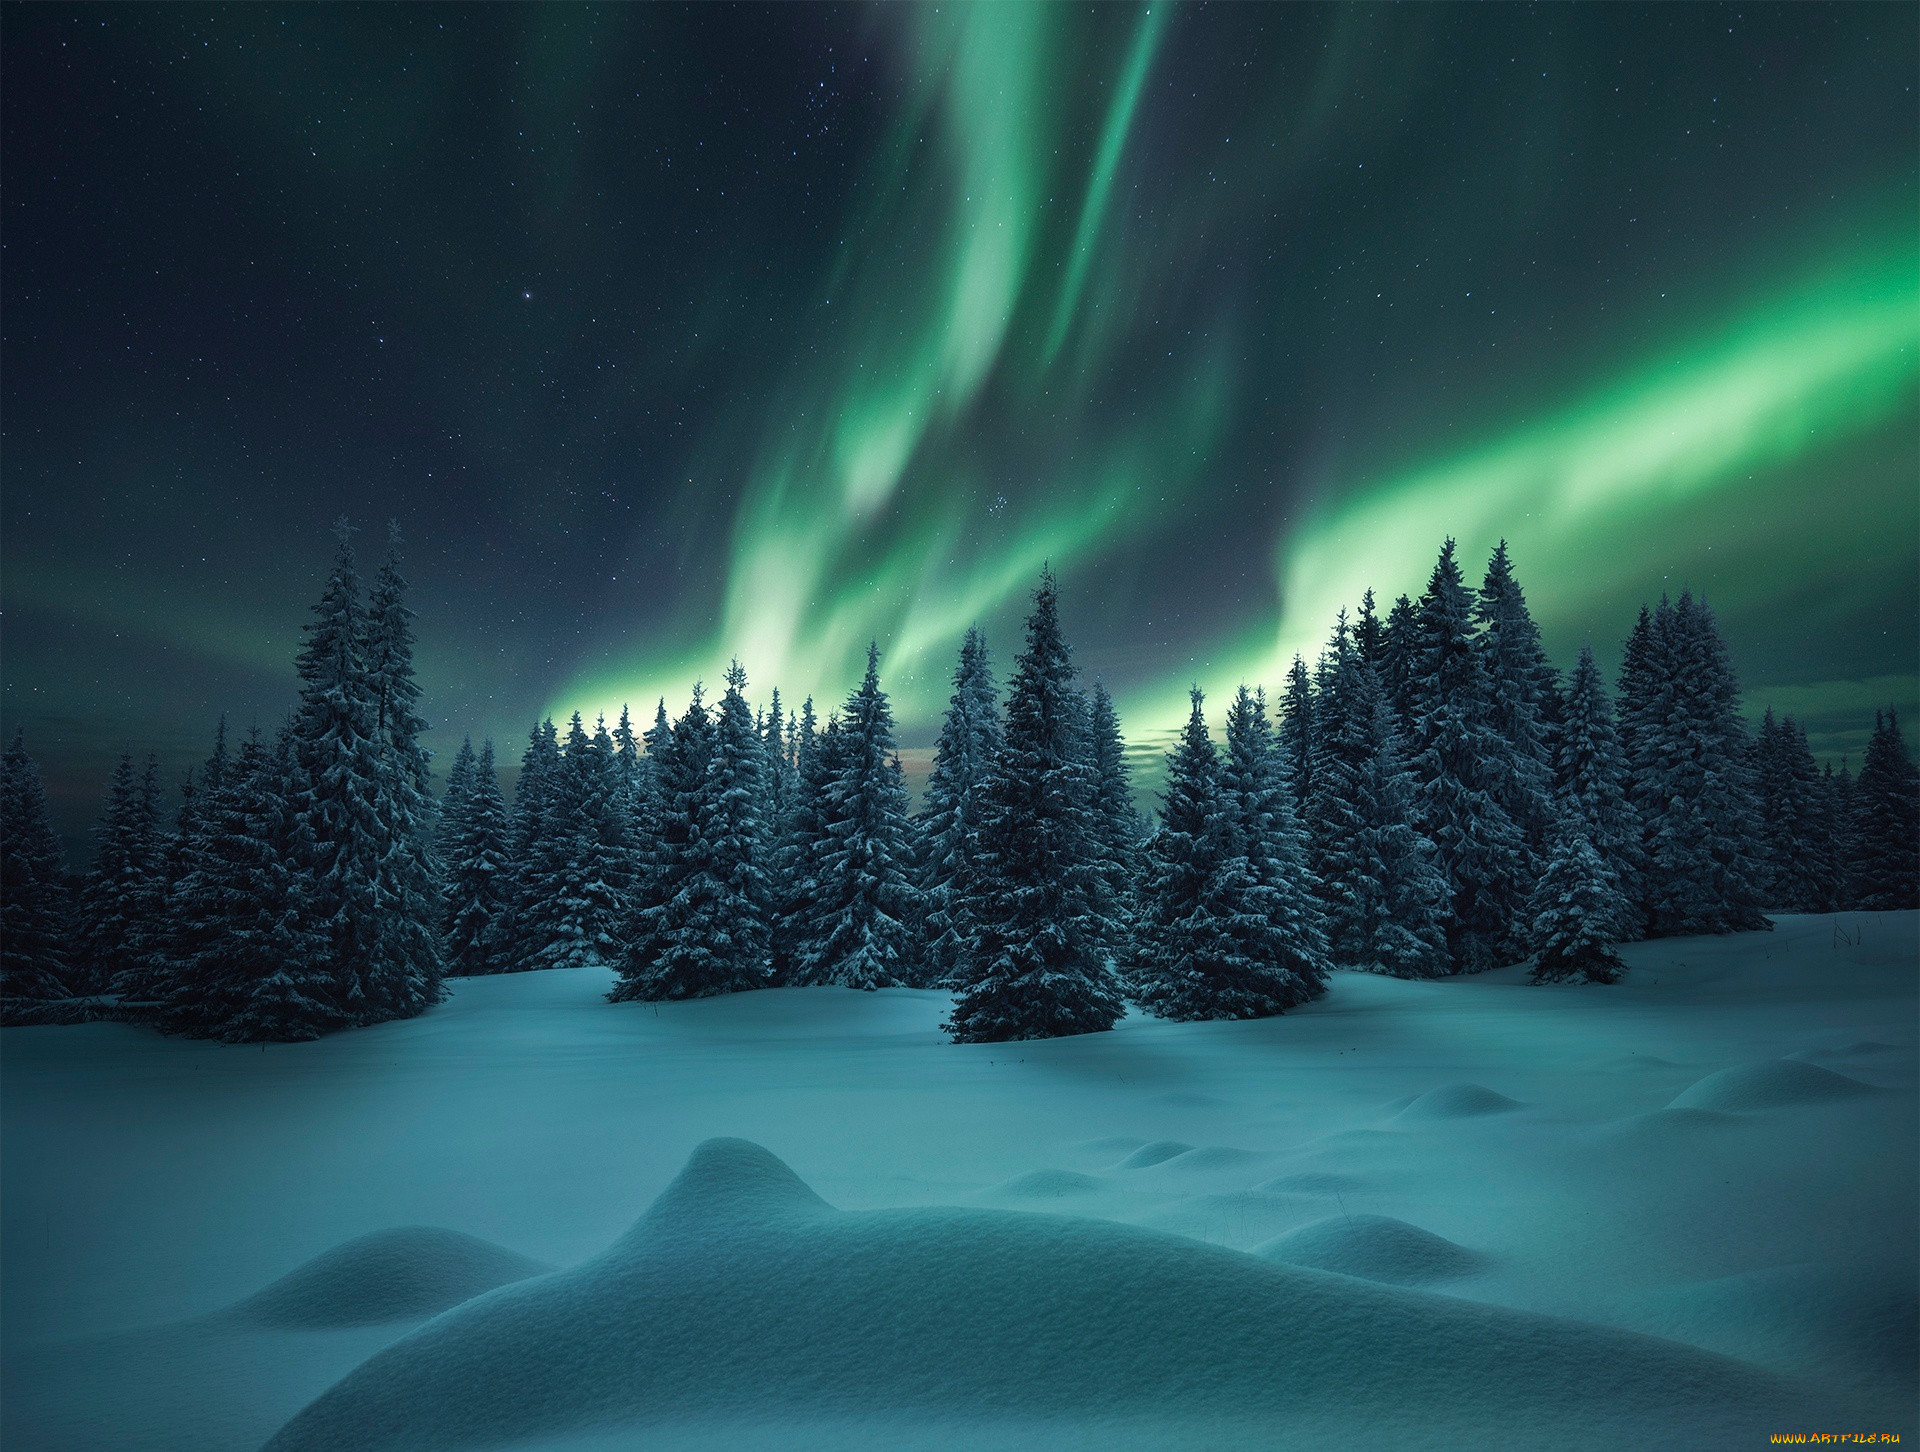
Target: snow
x: 801, y: 1218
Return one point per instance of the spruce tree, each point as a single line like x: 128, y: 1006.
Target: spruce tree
x: 1576, y: 908
x: 1296, y: 736
x: 341, y: 763
x: 948, y: 825
x: 659, y: 961
x: 1590, y: 784
x: 166, y: 941
x: 1383, y: 900
x: 246, y: 977
x: 1118, y: 830
x: 112, y: 914
x: 1691, y: 778
x: 1035, y: 959
x: 700, y: 925
x: 1370, y: 634
x: 286, y: 999
x: 36, y: 971
x: 402, y: 976
x: 1209, y: 946
x: 733, y: 842
x: 867, y: 906
x: 1283, y: 905
x: 531, y: 924
x: 776, y: 808
x: 580, y: 858
x: 1886, y: 822
x: 1395, y: 670
x: 797, y: 923
x: 476, y: 869
x: 1796, y: 832
x: 1523, y: 702
x: 1462, y: 764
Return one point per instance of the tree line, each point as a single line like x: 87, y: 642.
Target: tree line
x: 1430, y: 797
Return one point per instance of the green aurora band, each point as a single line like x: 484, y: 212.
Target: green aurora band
x: 875, y: 505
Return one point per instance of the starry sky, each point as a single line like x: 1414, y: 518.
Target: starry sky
x: 673, y: 334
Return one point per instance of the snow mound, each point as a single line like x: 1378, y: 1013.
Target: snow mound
x: 1374, y: 1248
x: 391, y: 1275
x: 1776, y: 1084
x: 1048, y: 1185
x: 1158, y: 1152
x: 1311, y: 1183
x: 1457, y: 1101
x: 741, y: 1296
x: 1864, y: 1049
x: 1205, y: 1160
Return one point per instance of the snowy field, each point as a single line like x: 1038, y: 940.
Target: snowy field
x: 1680, y: 1211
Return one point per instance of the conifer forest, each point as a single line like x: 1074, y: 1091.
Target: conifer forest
x: 1430, y: 797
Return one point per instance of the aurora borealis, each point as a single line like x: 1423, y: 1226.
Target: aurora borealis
x: 674, y: 335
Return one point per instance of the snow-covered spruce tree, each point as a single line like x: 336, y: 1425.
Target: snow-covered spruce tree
x: 1207, y: 948
x: 674, y: 901
x: 1118, y: 830
x: 364, y: 884
x: 530, y: 924
x: 476, y: 870
x: 1461, y: 763
x: 1395, y: 670
x: 112, y: 913
x: 1035, y: 961
x: 582, y: 857
x: 701, y: 927
x: 36, y: 971
x: 1284, y: 907
x: 867, y: 905
x: 164, y: 940
x: 1796, y: 833
x: 799, y: 929
x: 248, y: 976
x: 1690, y: 779
x: 1296, y: 736
x: 286, y: 998
x: 1523, y: 702
x: 403, y: 977
x: 733, y: 842
x: 1576, y: 907
x: 949, y: 823
x: 453, y: 795
x: 1885, y: 843
x: 1370, y: 633
x: 776, y: 808
x: 1382, y: 899
x: 1590, y: 783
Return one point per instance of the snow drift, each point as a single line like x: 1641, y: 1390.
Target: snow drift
x: 1375, y: 1248
x: 741, y: 1294
x: 403, y: 1274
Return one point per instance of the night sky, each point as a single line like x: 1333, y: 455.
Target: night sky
x: 674, y: 334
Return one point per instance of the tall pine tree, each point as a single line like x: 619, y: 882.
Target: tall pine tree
x: 867, y: 904
x: 1885, y: 844
x: 1462, y: 763
x: 1383, y: 900
x: 36, y: 971
x: 1035, y: 961
x: 475, y: 868
x: 948, y: 825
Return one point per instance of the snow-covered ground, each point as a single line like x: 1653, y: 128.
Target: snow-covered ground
x: 1411, y: 1214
